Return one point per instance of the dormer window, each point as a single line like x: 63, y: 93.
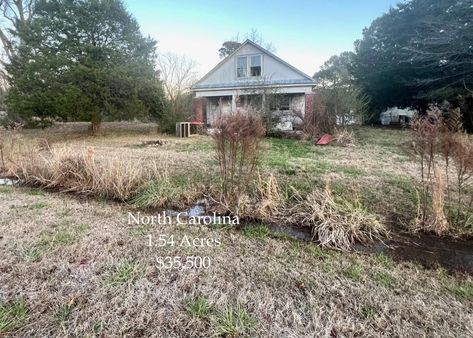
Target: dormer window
x: 249, y: 66
x: 255, y: 65
x: 242, y: 66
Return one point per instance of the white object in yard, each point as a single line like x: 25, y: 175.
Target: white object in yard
x: 397, y: 115
x: 284, y: 126
x: 183, y: 129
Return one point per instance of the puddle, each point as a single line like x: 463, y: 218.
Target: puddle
x: 199, y: 209
x: 303, y: 234
x: 430, y: 251
x: 8, y: 181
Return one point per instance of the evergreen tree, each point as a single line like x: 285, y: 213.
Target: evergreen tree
x: 83, y: 60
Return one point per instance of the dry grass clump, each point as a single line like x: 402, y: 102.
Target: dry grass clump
x: 10, y: 144
x: 335, y: 223
x: 344, y: 137
x: 69, y: 170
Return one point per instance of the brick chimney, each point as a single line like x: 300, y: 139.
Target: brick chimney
x: 198, y: 107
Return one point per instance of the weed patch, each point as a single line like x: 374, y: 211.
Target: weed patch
x: 234, y: 321
x: 64, y: 312
x: 12, y: 315
x: 353, y: 272
x: 52, y: 240
x: 317, y: 252
x: 462, y: 291
x: 123, y: 273
x: 384, y: 279
x: 384, y: 260
x: 198, y: 308
x: 368, y: 312
x: 38, y: 205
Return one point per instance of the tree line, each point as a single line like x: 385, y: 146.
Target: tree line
x: 418, y: 53
x: 77, y: 60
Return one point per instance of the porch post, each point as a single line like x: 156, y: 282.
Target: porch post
x: 234, y: 106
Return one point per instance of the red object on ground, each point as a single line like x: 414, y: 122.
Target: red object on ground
x: 325, y: 139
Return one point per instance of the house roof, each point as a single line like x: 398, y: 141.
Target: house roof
x: 307, y: 80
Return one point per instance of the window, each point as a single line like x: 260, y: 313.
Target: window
x: 241, y: 66
x: 280, y: 102
x: 249, y: 66
x: 255, y: 65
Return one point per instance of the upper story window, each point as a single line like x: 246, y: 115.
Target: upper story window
x: 255, y: 65
x: 249, y: 66
x: 242, y: 66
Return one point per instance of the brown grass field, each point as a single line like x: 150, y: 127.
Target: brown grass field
x: 72, y: 266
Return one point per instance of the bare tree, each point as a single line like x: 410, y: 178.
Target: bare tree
x: 12, y: 12
x: 178, y: 73
x: 229, y: 46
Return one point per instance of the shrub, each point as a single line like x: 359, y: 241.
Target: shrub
x: 318, y: 121
x: 237, y: 139
x: 440, y: 146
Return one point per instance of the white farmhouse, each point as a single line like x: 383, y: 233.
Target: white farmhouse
x: 253, y: 76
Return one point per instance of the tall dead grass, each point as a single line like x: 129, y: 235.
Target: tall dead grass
x: 334, y: 222
x: 70, y: 170
x: 441, y: 147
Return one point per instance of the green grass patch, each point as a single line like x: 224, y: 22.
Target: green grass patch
x: 6, y: 190
x: 260, y: 231
x: 461, y: 290
x: 353, y: 272
x: 12, y: 315
x: 368, y: 312
x: 125, y: 272
x: 384, y: 279
x: 35, y: 191
x: 198, y: 308
x: 234, y: 321
x: 38, y: 205
x: 384, y: 260
x: 52, y: 240
x: 140, y: 230
x: 317, y: 251
x: 257, y: 231
x: 63, y: 312
x: 166, y: 192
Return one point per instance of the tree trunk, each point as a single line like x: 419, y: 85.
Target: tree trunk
x: 95, y: 123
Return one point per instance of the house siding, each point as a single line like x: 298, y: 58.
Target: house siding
x: 272, y: 70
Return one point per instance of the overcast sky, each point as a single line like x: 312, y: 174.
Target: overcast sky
x: 305, y: 33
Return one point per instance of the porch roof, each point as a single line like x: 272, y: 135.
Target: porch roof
x: 249, y: 84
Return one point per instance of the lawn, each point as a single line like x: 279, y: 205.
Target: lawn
x: 74, y: 266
